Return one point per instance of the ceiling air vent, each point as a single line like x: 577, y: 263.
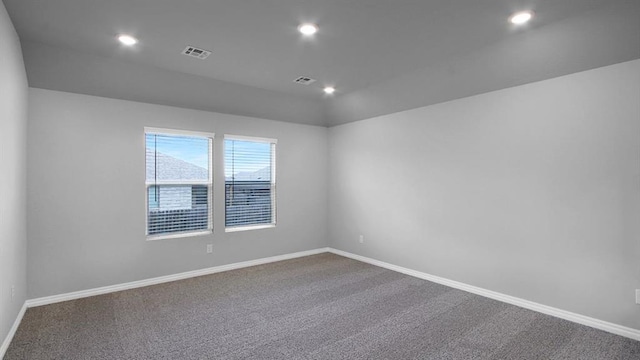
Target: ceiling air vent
x: 303, y: 80
x: 196, y: 52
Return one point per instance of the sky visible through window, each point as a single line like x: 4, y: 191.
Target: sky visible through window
x: 246, y: 156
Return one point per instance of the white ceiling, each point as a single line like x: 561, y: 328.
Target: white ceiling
x: 361, y: 44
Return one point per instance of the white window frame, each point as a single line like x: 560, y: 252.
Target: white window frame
x: 274, y: 207
x: 209, y: 184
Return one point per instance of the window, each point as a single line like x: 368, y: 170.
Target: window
x: 179, y: 183
x: 250, y: 182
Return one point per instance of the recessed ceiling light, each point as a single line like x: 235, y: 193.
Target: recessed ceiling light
x: 329, y: 90
x: 308, y: 29
x: 520, y: 18
x: 127, y: 39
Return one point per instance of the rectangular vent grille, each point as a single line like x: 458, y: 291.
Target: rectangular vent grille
x: 303, y: 80
x: 196, y: 52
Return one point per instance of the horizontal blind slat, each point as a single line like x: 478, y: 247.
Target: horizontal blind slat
x: 249, y: 182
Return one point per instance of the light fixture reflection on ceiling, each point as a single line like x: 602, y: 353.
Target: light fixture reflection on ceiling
x: 127, y: 40
x: 521, y: 17
x: 308, y: 29
x: 329, y: 90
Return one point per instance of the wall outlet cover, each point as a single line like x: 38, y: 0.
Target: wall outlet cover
x: 638, y: 296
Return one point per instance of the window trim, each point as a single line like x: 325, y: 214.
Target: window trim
x: 178, y: 235
x: 250, y: 138
x: 273, y: 186
x: 209, y: 184
x: 248, y: 227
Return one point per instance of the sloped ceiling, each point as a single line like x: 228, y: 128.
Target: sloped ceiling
x: 382, y: 56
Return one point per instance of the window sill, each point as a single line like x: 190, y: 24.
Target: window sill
x: 178, y: 235
x: 250, y: 227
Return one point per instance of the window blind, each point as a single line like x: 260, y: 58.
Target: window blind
x: 179, y: 183
x: 250, y: 182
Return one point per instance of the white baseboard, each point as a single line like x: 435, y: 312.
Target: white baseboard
x: 12, y: 331
x: 163, y: 279
x: 136, y: 284
x: 563, y: 314
x: 559, y: 313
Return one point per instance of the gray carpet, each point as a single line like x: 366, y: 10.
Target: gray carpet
x: 318, y: 307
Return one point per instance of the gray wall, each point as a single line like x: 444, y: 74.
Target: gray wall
x: 532, y: 191
x: 13, y: 148
x: 86, y: 205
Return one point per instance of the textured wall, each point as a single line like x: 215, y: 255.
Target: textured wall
x: 86, y: 174
x: 532, y: 191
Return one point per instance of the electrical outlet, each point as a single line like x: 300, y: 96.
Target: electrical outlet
x: 361, y: 239
x: 13, y: 291
x: 209, y: 248
x: 638, y: 296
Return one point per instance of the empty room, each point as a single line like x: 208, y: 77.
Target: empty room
x: 297, y: 179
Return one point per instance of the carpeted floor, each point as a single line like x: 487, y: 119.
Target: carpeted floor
x: 318, y: 307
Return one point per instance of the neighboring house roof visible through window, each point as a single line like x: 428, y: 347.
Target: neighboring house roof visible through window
x: 263, y: 174
x: 171, y: 168
x: 176, y: 169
